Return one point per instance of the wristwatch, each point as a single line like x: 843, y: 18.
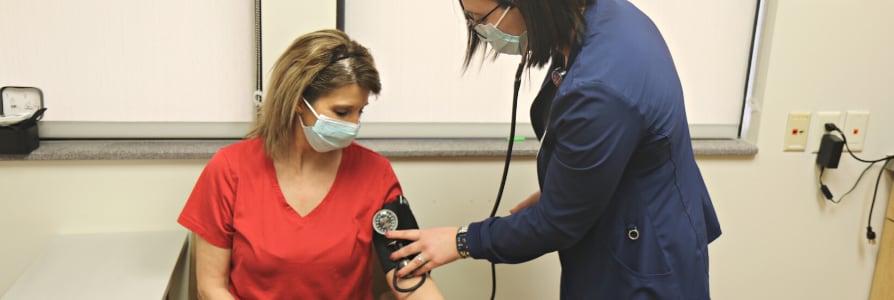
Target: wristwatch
x: 462, y: 246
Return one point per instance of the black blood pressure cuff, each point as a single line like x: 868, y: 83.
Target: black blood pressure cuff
x: 393, y: 216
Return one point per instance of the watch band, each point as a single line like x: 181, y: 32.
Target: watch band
x: 462, y: 246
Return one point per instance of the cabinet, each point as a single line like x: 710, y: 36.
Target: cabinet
x: 883, y: 280
x: 122, y: 265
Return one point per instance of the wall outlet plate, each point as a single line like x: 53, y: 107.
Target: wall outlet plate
x: 855, y: 129
x: 20, y: 99
x: 818, y: 128
x: 796, y: 131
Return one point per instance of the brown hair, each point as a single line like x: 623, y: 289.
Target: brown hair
x: 552, y: 24
x: 314, y: 65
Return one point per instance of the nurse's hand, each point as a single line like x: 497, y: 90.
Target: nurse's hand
x: 434, y: 247
x: 531, y: 200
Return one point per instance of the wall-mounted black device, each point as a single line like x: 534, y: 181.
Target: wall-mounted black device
x: 829, y: 151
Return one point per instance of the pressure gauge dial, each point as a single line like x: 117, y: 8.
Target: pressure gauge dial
x: 384, y: 220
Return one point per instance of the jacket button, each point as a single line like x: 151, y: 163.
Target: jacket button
x: 632, y: 233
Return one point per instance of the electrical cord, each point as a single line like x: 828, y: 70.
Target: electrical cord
x: 828, y: 193
x: 870, y: 234
x: 832, y: 127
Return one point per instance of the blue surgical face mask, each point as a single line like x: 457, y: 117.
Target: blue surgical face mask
x: 328, y: 134
x: 502, y: 42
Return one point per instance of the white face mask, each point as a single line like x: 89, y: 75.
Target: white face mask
x: 503, y: 42
x: 328, y: 134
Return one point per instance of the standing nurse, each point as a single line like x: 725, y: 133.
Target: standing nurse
x: 621, y: 197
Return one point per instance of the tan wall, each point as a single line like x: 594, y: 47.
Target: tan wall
x: 781, y: 240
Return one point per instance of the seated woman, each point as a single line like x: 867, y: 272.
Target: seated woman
x: 286, y: 213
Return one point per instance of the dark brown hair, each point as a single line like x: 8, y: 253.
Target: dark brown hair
x: 551, y: 24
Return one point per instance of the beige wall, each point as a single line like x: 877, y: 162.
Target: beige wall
x: 781, y: 240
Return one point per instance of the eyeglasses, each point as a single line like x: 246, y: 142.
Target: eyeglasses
x: 470, y: 19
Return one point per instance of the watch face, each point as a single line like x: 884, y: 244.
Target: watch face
x: 20, y: 100
x: 384, y: 220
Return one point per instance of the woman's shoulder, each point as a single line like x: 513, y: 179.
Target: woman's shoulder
x: 365, y: 155
x: 248, y: 151
x: 243, y: 147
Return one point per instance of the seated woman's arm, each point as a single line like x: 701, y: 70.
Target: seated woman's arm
x: 381, y: 285
x: 428, y: 290
x: 212, y: 270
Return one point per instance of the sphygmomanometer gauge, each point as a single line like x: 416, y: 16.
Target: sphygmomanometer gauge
x: 384, y: 220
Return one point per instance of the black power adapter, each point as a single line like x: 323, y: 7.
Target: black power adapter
x: 827, y: 157
x: 829, y: 151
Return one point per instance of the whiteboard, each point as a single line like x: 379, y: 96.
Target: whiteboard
x: 146, y: 69
x: 419, y: 48
x: 181, y: 69
x: 132, y: 61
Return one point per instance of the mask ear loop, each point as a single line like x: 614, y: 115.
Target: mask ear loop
x: 502, y: 16
x: 311, y: 107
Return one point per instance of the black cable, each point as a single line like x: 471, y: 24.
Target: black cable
x: 828, y: 193
x: 825, y: 189
x: 831, y: 127
x: 870, y: 234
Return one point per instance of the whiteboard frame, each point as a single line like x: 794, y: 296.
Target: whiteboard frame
x: 228, y: 130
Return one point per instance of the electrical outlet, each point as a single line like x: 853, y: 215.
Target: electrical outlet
x: 796, y: 131
x: 855, y: 124
x: 817, y: 128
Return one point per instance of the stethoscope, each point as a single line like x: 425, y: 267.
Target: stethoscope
x: 557, y: 78
x: 516, y: 87
x: 511, y: 143
x: 509, y: 146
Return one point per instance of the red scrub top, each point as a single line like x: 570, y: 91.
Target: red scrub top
x: 277, y: 253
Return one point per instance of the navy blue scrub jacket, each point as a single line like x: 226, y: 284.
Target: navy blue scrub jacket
x: 623, y: 201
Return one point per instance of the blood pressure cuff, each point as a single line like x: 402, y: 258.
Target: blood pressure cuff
x: 397, y: 212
